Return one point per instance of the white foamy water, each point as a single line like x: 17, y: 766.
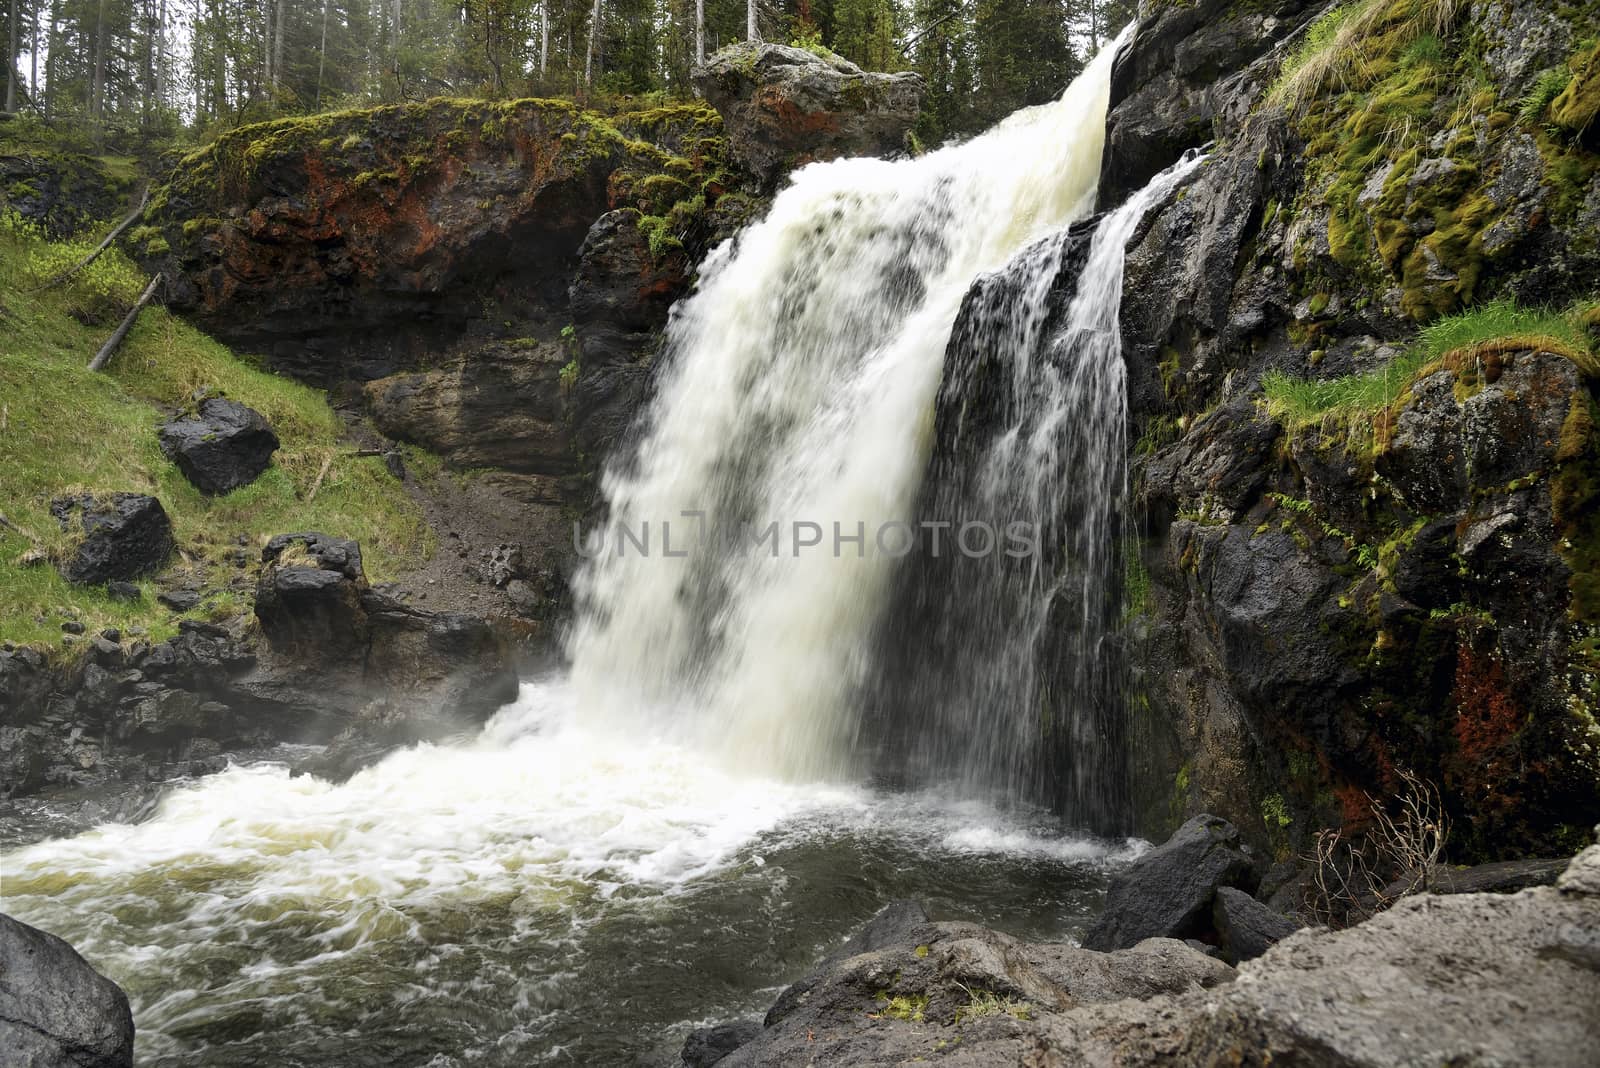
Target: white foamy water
x: 530, y: 893
x: 799, y: 388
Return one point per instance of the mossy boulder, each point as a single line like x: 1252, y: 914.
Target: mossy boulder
x: 358, y: 244
x: 784, y: 107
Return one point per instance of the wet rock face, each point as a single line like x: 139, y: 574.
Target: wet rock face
x: 1172, y: 84
x: 222, y: 446
x: 620, y: 296
x: 63, y: 193
x: 783, y: 107
x: 55, y: 1010
x: 501, y: 405
x: 121, y: 536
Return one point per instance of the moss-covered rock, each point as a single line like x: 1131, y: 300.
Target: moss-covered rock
x: 356, y: 244
x: 784, y: 107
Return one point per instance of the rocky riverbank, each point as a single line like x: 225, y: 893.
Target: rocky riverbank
x: 1506, y: 979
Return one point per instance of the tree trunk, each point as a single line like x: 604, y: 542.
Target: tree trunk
x: 97, y: 97
x: 322, y: 53
x: 588, y: 59
x: 161, y: 57
x: 12, y: 52
x: 33, y: 60
x: 277, y: 46
x: 752, y: 31
x: 109, y: 349
x: 544, y: 37
x: 699, y: 32
x: 50, y: 67
x: 396, y: 46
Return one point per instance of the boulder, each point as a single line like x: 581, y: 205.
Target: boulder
x: 706, y: 1046
x: 55, y: 1010
x: 1168, y: 892
x: 1245, y: 927
x: 122, y: 536
x: 220, y: 447
x: 308, y: 597
x: 783, y: 107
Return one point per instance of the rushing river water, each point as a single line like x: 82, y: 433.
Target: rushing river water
x: 546, y: 894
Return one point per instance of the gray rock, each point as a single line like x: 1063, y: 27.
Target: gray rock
x: 706, y: 1046
x: 220, y: 447
x: 1245, y: 927
x: 55, y: 1010
x: 784, y: 106
x: 1167, y: 893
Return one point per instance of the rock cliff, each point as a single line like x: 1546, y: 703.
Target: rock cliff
x: 1363, y: 405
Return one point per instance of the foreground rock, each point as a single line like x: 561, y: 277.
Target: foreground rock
x: 220, y: 447
x: 55, y: 1010
x: 118, y: 536
x: 1465, y: 979
x: 1169, y: 892
x: 784, y: 107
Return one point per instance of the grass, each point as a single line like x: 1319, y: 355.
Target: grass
x: 986, y: 1003
x: 1545, y: 89
x: 1335, y: 52
x: 1499, y: 326
x: 64, y: 429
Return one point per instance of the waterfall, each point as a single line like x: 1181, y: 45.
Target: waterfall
x: 998, y: 676
x: 798, y: 388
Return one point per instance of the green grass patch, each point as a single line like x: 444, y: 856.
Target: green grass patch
x: 64, y: 429
x: 1455, y: 340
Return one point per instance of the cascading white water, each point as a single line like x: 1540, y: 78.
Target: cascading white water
x: 998, y: 666
x: 799, y: 388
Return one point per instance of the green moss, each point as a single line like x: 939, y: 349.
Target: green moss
x: 1579, y: 101
x: 908, y: 1007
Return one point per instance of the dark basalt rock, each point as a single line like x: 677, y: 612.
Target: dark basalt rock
x: 1245, y: 927
x: 1168, y: 892
x: 55, y: 1010
x: 784, y: 106
x: 706, y: 1046
x: 123, y: 536
x: 308, y: 597
x: 620, y: 296
x: 179, y: 600
x: 221, y: 447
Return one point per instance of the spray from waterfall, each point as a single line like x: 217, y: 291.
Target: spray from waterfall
x: 998, y: 677
x: 799, y: 388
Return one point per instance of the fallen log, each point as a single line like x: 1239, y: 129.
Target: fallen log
x: 115, y: 341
